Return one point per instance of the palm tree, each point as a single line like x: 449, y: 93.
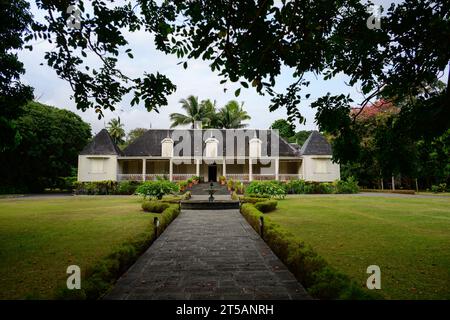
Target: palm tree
x: 115, y: 129
x: 231, y: 116
x: 195, y: 111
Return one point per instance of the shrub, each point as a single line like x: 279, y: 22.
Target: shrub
x: 266, y: 206
x: 95, y: 188
x: 311, y: 270
x: 347, y: 186
x: 273, y: 189
x: 295, y: 186
x: 127, y: 187
x: 442, y: 187
x: 252, y: 199
x: 154, y: 206
x: 156, y: 189
x: 319, y: 188
x: 234, y: 196
x: 163, y: 177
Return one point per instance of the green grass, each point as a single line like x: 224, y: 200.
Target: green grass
x: 409, y: 239
x: 39, y: 238
x: 429, y: 193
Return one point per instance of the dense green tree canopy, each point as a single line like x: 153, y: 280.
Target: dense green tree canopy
x: 285, y: 128
x: 16, y: 18
x: 116, y: 130
x: 51, y: 139
x: 231, y: 116
x: 134, y: 134
x: 203, y: 112
x: 251, y: 43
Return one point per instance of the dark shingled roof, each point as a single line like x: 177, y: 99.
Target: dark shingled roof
x: 102, y: 144
x: 316, y: 144
x: 149, y: 144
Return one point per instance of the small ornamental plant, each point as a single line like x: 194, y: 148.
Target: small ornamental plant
x: 230, y: 184
x: 183, y: 185
x: 222, y: 180
x: 157, y: 189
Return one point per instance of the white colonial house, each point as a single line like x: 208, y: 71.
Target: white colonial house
x: 240, y: 154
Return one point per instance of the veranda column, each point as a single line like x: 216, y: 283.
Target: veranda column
x: 144, y: 168
x: 224, y: 167
x: 170, y: 170
x: 197, y: 167
x: 277, y: 168
x: 250, y: 170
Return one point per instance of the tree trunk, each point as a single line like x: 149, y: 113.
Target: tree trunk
x: 393, y: 182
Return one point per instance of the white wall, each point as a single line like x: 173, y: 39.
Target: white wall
x: 97, y: 168
x: 320, y: 169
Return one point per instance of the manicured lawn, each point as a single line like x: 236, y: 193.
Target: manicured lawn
x: 39, y: 238
x: 408, y: 238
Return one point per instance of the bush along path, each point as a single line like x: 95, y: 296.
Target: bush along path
x: 208, y: 254
x: 99, y: 280
x: 311, y: 270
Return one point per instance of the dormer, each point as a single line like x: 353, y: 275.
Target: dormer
x: 211, y: 147
x: 255, y: 147
x: 167, y: 147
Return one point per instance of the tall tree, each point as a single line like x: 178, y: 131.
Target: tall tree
x: 51, y: 140
x: 116, y: 130
x: 299, y: 137
x: 195, y: 111
x: 232, y: 115
x: 285, y: 128
x: 13, y: 94
x: 134, y: 134
x: 251, y: 43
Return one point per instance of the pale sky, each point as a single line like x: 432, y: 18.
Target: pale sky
x: 197, y: 80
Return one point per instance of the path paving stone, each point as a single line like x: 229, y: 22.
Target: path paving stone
x: 208, y: 255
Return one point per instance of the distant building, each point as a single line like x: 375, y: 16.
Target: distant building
x: 240, y: 154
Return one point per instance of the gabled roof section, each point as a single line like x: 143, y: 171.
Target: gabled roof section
x: 149, y: 144
x: 102, y: 144
x: 316, y: 144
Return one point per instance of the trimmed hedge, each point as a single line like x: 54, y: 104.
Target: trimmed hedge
x: 154, y: 206
x: 308, y: 187
x: 106, y: 187
x: 99, y: 279
x: 311, y: 270
x: 252, y: 199
x: 266, y: 206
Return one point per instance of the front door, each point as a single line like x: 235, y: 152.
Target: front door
x: 212, y: 172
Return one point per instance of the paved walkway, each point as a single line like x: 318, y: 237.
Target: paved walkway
x: 208, y: 255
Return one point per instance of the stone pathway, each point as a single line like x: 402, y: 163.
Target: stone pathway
x: 208, y: 255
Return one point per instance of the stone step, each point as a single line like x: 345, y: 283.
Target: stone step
x: 207, y: 205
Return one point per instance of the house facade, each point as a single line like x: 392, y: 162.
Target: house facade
x: 239, y: 154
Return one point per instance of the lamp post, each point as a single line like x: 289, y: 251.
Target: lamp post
x: 156, y: 225
x: 261, y: 226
